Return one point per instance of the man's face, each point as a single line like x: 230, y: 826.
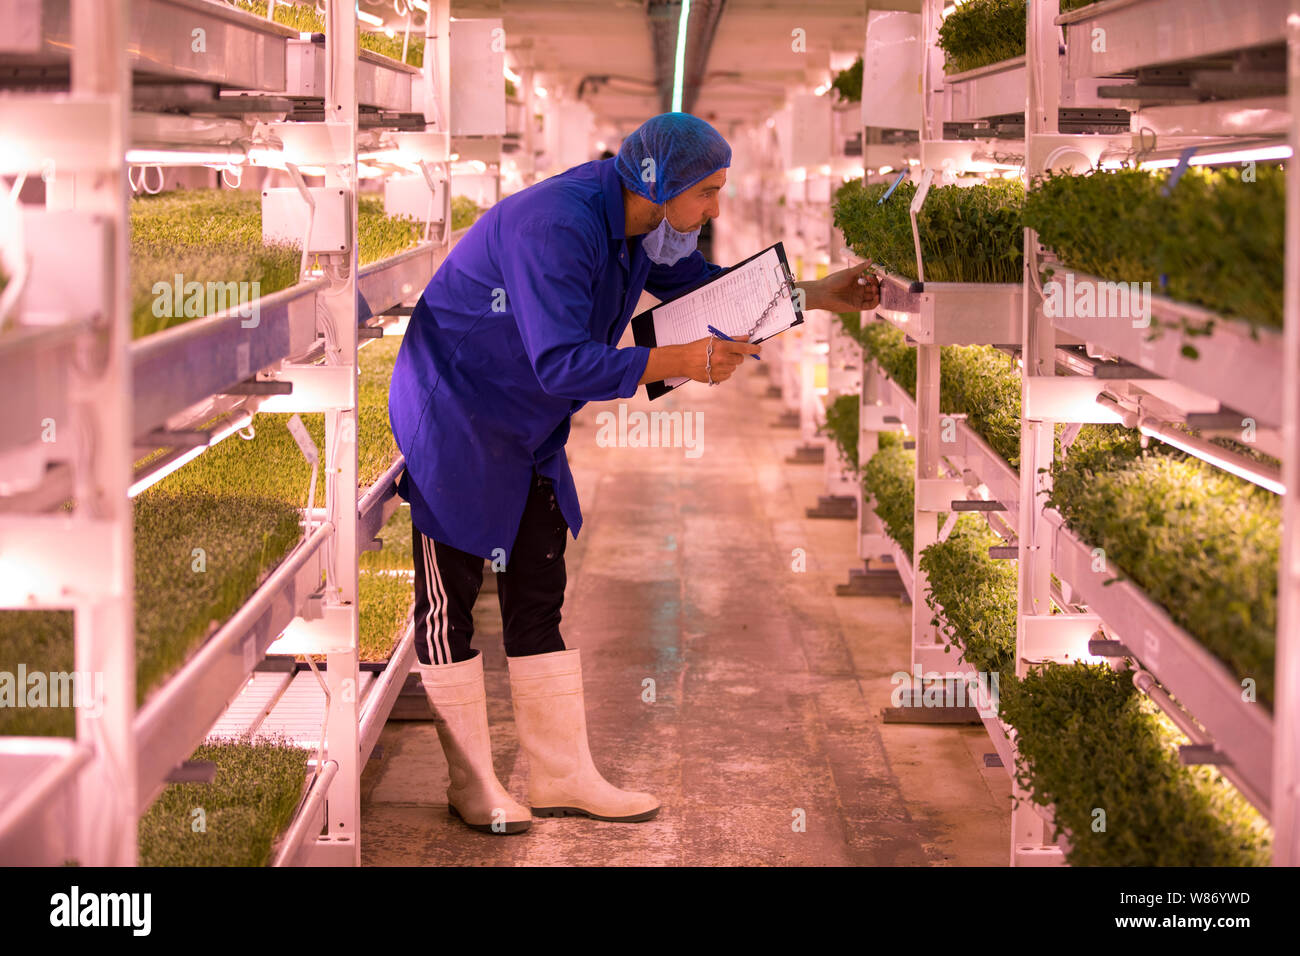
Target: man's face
x: 691, y: 209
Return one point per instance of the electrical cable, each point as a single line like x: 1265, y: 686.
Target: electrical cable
x: 1061, y: 151
x: 1142, y: 151
x: 144, y: 182
x: 292, y: 169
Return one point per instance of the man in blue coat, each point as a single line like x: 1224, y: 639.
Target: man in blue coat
x: 516, y: 331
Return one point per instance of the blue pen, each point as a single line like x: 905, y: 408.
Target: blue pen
x: 723, y: 335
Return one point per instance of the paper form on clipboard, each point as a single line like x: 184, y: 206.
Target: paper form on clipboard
x: 732, y: 302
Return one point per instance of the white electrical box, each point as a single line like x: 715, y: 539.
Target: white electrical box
x: 409, y: 196
x: 304, y: 68
x: 285, y: 214
x: 53, y: 242
x: 891, y: 70
x: 478, y: 80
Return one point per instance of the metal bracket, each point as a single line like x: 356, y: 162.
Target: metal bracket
x: 1102, y: 647
x: 965, y: 504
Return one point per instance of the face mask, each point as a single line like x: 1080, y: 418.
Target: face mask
x: 665, y: 245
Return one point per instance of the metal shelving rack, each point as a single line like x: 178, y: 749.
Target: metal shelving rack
x: 61, y: 793
x: 1237, y: 374
x: 153, y: 389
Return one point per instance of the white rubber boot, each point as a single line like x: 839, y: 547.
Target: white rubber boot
x: 459, y: 703
x: 551, y: 720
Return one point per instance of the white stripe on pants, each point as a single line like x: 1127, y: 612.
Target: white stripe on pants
x: 439, y: 649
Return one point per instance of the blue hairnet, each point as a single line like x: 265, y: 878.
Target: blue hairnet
x: 685, y: 149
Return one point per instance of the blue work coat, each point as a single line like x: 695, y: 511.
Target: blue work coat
x: 515, y: 332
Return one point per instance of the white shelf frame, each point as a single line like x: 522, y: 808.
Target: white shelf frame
x: 1243, y: 732
x: 1263, y: 761
x: 952, y: 313
x: 91, y: 777
x: 67, y: 769
x: 976, y: 463
x: 256, y: 54
x: 1241, y: 370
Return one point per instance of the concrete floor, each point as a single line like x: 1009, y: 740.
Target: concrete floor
x: 768, y: 688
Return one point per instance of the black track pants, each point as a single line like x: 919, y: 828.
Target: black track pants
x: 530, y: 590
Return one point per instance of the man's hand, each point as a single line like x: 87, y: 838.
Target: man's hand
x: 842, y: 292
x: 676, y: 361
x: 727, y: 357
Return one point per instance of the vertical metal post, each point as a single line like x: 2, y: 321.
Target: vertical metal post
x: 101, y: 397
x: 870, y: 528
x: 925, y: 524
x: 340, y: 844
x: 1034, y: 571
x: 931, y: 70
x: 1286, y: 715
x: 437, y: 68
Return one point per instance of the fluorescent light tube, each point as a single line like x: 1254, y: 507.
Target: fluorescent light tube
x: 185, y: 157
x: 680, y: 65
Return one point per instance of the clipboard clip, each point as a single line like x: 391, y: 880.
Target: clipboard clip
x: 784, y: 290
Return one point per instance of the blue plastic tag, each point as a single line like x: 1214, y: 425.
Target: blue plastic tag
x: 890, y: 191
x: 1184, y: 158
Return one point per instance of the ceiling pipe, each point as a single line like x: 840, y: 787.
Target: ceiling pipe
x: 596, y: 81
x: 702, y: 26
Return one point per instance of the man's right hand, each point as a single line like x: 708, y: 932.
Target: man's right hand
x: 727, y: 357
x: 687, y: 360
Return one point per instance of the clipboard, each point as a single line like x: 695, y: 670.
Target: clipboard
x: 701, y: 305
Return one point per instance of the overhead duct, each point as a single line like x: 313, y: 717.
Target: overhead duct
x: 594, y: 83
x: 702, y: 24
